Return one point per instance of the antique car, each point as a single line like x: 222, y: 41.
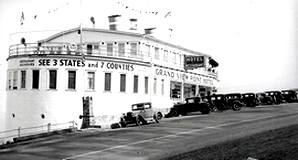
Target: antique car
x: 250, y: 99
x: 142, y: 113
x: 264, y: 99
x: 276, y: 96
x: 289, y: 96
x: 234, y: 100
x: 192, y: 104
x: 223, y: 102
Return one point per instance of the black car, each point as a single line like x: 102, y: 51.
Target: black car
x: 289, y: 96
x: 276, y: 96
x: 142, y: 113
x: 250, y: 99
x: 264, y: 99
x: 223, y: 102
x: 234, y: 100
x: 192, y: 104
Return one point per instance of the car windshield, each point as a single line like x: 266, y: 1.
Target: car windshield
x: 140, y: 106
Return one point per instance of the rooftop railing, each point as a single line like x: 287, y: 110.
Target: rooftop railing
x: 105, y: 50
x: 76, y: 49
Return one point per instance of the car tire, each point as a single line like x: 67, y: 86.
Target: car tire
x: 123, y: 124
x: 142, y: 120
x: 159, y: 116
x: 205, y: 110
x: 137, y: 121
x: 236, y: 106
x: 156, y: 119
x: 174, y: 113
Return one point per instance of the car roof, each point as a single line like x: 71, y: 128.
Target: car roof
x: 141, y: 103
x: 233, y: 94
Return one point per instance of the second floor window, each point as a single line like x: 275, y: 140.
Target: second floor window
x: 165, y: 56
x: 121, y: 49
x: 89, y: 49
x: 133, y: 48
x: 156, y: 53
x: 109, y: 49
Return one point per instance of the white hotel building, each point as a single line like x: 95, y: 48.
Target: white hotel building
x: 47, y: 80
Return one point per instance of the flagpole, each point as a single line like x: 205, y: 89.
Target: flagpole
x: 81, y: 31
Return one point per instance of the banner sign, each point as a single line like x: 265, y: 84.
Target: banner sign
x: 192, y: 62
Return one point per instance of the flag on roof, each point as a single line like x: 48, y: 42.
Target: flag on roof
x: 22, y: 18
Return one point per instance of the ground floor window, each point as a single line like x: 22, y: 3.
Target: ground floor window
x: 91, y: 80
x: 23, y: 79
x: 175, y: 89
x: 71, y: 79
x: 146, y: 85
x: 35, y: 79
x: 205, y: 91
x: 107, y: 84
x: 189, y: 90
x: 122, y: 82
x: 135, y: 84
x: 15, y: 80
x: 53, y: 79
x: 154, y: 85
x: 162, y: 87
x: 9, y: 77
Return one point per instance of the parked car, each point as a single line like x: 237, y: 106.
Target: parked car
x: 192, y: 104
x: 250, y: 99
x: 208, y: 100
x: 264, y: 99
x: 223, y: 102
x: 276, y: 96
x: 142, y: 113
x: 289, y: 96
x: 234, y: 100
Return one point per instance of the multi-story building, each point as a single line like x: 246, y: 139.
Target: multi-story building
x: 47, y: 80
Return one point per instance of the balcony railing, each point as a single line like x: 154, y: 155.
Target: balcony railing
x: 76, y: 49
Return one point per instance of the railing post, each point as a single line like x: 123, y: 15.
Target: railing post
x: 19, y: 132
x: 49, y: 127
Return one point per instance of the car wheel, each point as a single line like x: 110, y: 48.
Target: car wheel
x: 142, y: 120
x: 123, y: 124
x: 205, y: 110
x: 137, y: 121
x: 174, y: 113
x: 236, y: 107
x: 158, y: 116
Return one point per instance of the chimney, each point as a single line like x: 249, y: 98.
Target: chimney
x: 133, y: 24
x: 114, y: 22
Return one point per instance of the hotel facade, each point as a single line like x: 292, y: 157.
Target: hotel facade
x: 48, y: 81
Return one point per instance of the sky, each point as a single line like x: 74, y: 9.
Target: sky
x: 254, y: 41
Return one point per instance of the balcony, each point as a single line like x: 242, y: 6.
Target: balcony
x: 76, y: 50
